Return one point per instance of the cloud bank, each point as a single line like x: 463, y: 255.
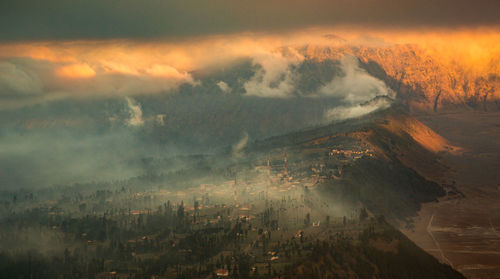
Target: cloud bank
x: 357, y: 91
x: 34, y: 72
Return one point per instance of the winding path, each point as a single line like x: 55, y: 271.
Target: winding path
x: 493, y: 228
x: 429, y: 231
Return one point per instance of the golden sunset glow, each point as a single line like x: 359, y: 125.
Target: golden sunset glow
x: 165, y: 71
x: 76, y: 71
x: 477, y: 50
x: 121, y: 67
x: 422, y: 134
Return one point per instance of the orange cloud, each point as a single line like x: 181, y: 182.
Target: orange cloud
x: 127, y: 67
x: 471, y: 48
x: 38, y: 50
x: 76, y: 71
x: 165, y: 71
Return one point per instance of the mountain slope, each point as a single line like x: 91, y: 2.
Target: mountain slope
x: 386, y: 253
x: 389, y: 174
x: 422, y: 78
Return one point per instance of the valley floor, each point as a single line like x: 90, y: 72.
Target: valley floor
x: 463, y: 228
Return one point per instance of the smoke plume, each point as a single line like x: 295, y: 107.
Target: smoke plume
x: 239, y: 147
x: 135, y: 113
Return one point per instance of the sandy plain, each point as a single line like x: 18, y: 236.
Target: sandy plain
x: 463, y: 228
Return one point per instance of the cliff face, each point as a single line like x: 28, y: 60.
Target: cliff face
x: 425, y: 80
x: 440, y: 84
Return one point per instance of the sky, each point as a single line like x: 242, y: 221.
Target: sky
x: 168, y: 19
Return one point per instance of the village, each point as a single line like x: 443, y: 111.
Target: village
x: 258, y: 224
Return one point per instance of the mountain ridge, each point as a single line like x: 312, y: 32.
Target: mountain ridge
x: 420, y: 78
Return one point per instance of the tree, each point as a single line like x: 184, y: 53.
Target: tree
x: 307, y: 221
x: 363, y: 214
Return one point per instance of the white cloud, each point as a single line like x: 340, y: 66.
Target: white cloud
x: 356, y: 85
x: 224, y: 87
x: 358, y: 90
x: 353, y: 111
x: 275, y: 77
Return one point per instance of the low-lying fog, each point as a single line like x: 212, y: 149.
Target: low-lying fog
x: 101, y: 139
